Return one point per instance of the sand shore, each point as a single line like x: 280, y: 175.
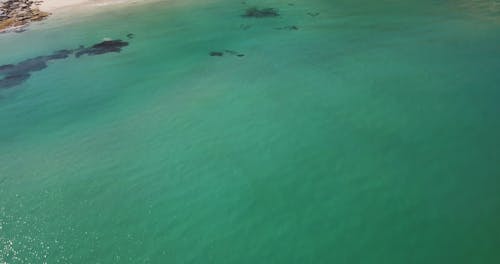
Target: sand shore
x: 16, y: 15
x: 55, y: 6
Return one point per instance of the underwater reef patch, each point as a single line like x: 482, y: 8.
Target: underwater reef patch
x: 287, y: 28
x: 216, y: 54
x: 230, y: 52
x: 16, y: 74
x: 106, y: 46
x: 313, y: 14
x: 261, y: 13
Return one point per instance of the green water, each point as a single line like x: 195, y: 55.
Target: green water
x: 369, y: 135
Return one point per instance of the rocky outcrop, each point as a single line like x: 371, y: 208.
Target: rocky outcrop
x: 17, y: 14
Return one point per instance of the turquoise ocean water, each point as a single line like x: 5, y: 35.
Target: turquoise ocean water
x: 369, y: 135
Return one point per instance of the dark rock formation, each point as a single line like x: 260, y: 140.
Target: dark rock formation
x: 16, y: 14
x: 230, y: 52
x: 60, y: 54
x: 288, y: 28
x: 261, y: 13
x: 216, y: 54
x: 313, y: 14
x: 16, y: 74
x: 13, y: 80
x: 6, y: 67
x: 19, y: 73
x: 103, y: 47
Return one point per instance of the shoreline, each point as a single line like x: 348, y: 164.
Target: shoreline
x: 57, y: 6
x: 17, y: 15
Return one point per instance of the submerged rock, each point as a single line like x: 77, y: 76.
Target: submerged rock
x: 288, y: 28
x: 13, y: 80
x: 16, y: 74
x: 216, y: 54
x: 313, y: 14
x: 260, y: 13
x: 60, y: 54
x: 29, y: 65
x: 6, y: 67
x: 230, y: 52
x: 102, y: 48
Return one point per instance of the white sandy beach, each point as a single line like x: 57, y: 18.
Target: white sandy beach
x: 65, y: 5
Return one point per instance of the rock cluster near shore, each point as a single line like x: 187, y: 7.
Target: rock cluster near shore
x: 16, y: 14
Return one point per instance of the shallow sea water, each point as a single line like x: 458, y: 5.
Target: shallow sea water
x: 368, y: 135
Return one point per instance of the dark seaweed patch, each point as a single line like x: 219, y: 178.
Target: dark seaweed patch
x: 16, y: 74
x: 288, y: 28
x: 216, y: 54
x: 102, y: 48
x: 29, y: 65
x: 13, y: 80
x: 313, y: 14
x: 261, y: 13
x: 6, y: 67
x: 230, y: 52
x: 19, y: 73
x: 60, y: 54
